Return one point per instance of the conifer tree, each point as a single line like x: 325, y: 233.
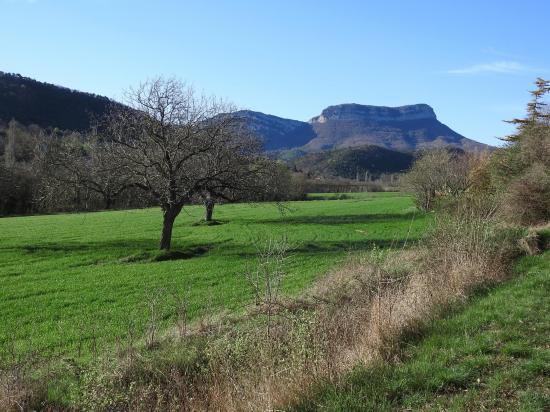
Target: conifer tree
x: 536, y: 110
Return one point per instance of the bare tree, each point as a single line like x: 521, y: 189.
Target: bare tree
x: 438, y: 172
x: 85, y: 162
x: 178, y: 145
x: 243, y: 177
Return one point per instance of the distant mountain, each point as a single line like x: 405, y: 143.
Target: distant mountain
x: 406, y: 128
x: 354, y: 162
x: 278, y: 133
x: 32, y: 102
x: 403, y: 128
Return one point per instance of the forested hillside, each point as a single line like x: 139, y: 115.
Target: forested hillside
x: 47, y: 105
x: 361, y: 163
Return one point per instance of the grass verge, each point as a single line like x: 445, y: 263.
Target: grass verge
x: 493, y: 355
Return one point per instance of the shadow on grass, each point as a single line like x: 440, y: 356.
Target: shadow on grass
x: 325, y: 247
x: 180, y: 254
x: 343, y: 246
x: 342, y: 219
x: 332, y: 196
x: 54, y: 247
x: 164, y: 255
x: 147, y: 251
x: 144, y: 251
x: 208, y: 223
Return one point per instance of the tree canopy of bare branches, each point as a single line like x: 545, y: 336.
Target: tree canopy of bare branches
x: 83, y: 162
x: 437, y: 172
x: 177, y: 145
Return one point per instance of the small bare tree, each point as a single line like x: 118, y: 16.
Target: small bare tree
x: 437, y: 172
x: 243, y: 180
x: 177, y: 145
x: 266, y: 280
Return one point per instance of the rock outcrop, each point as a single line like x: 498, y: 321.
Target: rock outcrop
x: 405, y: 128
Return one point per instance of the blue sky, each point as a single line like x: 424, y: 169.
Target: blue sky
x: 473, y: 61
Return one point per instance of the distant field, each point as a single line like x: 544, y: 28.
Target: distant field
x: 65, y: 279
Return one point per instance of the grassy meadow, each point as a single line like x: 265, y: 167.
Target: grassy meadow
x: 75, y: 282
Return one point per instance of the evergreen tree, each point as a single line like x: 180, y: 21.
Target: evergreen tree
x: 521, y: 169
x: 537, y: 111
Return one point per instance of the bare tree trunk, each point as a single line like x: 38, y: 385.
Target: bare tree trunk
x: 209, y: 209
x: 77, y: 197
x: 9, y: 147
x: 169, y: 216
x: 108, y: 200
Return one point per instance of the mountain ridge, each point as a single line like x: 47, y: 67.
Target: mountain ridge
x: 48, y: 105
x: 403, y: 128
x: 375, y: 113
x: 353, y: 163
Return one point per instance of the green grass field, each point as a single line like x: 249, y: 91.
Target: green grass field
x: 493, y: 355
x: 84, y: 278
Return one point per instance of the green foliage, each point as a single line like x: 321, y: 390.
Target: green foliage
x: 521, y: 170
x: 352, y: 163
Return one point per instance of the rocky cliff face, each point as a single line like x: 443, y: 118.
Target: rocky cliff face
x: 405, y: 128
x: 357, y: 112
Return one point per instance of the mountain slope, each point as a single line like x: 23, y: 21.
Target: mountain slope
x: 403, y: 128
x: 32, y: 102
x: 278, y: 133
x: 347, y: 125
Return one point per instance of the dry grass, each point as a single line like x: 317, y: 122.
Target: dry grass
x: 19, y: 390
x: 356, y: 314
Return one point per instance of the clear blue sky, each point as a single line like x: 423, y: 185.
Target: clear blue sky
x: 473, y: 61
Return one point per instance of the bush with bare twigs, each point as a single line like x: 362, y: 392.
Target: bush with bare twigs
x: 437, y: 173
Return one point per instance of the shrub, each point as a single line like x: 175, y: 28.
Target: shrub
x: 438, y: 172
x: 528, y: 198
